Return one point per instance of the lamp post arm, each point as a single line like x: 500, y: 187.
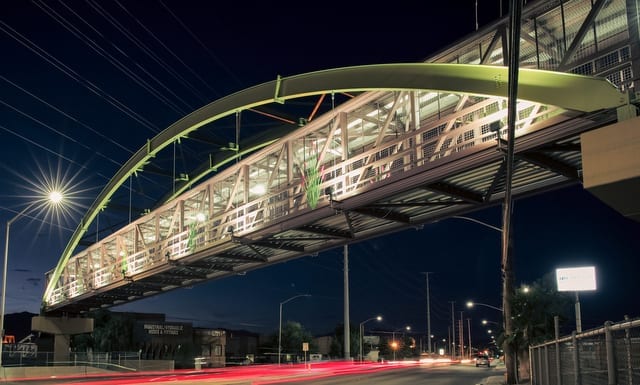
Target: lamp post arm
x: 370, y: 319
x: 4, y: 273
x: 280, y: 323
x: 490, y: 306
x: 478, y: 222
x: 294, y: 297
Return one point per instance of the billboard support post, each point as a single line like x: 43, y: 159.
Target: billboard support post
x: 576, y: 279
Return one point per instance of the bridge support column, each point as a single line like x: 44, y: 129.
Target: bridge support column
x: 611, y: 165
x: 62, y: 329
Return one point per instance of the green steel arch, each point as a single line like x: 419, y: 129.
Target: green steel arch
x: 568, y: 91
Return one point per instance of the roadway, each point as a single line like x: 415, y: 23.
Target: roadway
x: 325, y: 373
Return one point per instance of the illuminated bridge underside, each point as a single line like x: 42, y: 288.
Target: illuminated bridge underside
x: 424, y: 142
x: 383, y: 162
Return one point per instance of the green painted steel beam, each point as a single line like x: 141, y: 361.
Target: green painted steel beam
x: 568, y: 91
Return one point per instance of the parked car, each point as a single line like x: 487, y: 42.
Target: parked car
x: 483, y: 360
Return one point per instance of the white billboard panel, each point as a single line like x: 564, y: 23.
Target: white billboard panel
x: 576, y: 278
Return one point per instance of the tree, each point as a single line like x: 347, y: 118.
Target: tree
x: 337, y: 344
x: 112, y: 332
x: 533, y: 312
x: 293, y: 335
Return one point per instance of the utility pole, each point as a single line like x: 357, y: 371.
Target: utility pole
x: 453, y: 331
x: 515, y: 21
x: 426, y: 274
x: 461, y: 327
x: 469, y: 335
x: 347, y: 337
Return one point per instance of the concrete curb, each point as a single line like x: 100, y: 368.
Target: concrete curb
x: 493, y: 380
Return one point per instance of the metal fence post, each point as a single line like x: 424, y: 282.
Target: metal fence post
x: 546, y: 364
x: 611, y: 358
x: 627, y: 345
x: 556, y: 322
x: 576, y: 358
x: 533, y: 368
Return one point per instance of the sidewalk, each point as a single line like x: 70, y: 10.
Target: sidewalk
x: 499, y: 380
x: 493, y: 380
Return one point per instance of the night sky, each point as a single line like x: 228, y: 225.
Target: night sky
x: 71, y: 111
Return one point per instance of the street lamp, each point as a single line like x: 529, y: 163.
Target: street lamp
x: 280, y: 325
x: 379, y: 318
x: 484, y: 322
x: 393, y: 337
x: 54, y: 198
x: 471, y: 304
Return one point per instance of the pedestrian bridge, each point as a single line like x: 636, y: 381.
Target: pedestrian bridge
x: 413, y: 143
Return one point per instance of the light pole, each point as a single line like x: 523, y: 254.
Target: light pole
x: 471, y: 304
x: 379, y: 318
x: 53, y: 198
x: 280, y: 324
x: 393, y: 338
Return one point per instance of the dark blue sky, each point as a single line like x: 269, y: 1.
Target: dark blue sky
x: 68, y: 108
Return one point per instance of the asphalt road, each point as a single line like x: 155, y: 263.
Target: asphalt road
x: 326, y: 374
x: 450, y: 375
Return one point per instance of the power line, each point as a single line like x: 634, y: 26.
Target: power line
x: 168, y: 68
x: 67, y: 115
x: 59, y: 65
x: 206, y: 49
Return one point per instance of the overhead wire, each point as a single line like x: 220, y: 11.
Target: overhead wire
x: 143, y: 48
x: 140, y: 45
x: 168, y: 68
x: 74, y: 75
x: 58, y: 132
x: 68, y: 116
x: 59, y: 65
x: 111, y: 59
x: 204, y: 47
x: 52, y: 152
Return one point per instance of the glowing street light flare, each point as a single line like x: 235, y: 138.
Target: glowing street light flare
x: 53, y: 198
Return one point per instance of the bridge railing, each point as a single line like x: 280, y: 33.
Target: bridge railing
x: 198, y: 220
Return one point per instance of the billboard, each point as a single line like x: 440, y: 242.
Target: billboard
x: 576, y: 278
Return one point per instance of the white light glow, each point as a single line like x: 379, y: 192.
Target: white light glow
x: 258, y: 189
x: 55, y: 197
x: 576, y: 278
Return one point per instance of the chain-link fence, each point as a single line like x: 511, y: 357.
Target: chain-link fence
x: 608, y: 355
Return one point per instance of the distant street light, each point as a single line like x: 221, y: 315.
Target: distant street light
x: 378, y: 318
x: 394, y: 344
x: 484, y: 322
x: 471, y: 304
x: 53, y: 198
x: 280, y: 325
